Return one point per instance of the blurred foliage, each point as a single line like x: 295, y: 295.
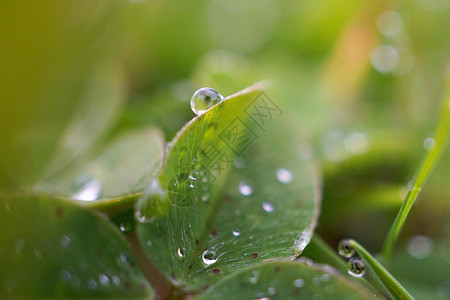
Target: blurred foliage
x: 363, y: 79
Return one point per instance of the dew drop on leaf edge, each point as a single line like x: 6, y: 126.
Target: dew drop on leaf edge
x: 203, y: 99
x: 356, y: 267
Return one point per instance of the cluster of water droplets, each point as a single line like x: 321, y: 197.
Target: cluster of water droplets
x: 203, y: 99
x: 356, y: 266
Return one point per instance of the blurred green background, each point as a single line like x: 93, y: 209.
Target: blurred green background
x: 363, y: 79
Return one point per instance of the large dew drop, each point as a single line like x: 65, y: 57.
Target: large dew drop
x: 356, y: 267
x: 203, y: 99
x: 209, y: 257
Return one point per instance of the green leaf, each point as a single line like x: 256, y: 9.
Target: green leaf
x: 121, y: 170
x: 43, y: 76
x: 53, y: 248
x: 204, y: 219
x: 288, y: 280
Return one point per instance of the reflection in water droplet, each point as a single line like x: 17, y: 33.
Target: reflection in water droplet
x: 420, y: 246
x: 203, y: 99
x: 356, y: 267
x: 65, y: 241
x: 271, y: 291
x: 284, y: 176
x: 429, y: 144
x: 181, y: 251
x: 92, y: 284
x: 299, y: 283
x: 236, y: 233
x: 89, y: 190
x: 209, y: 257
x: 268, y: 207
x: 344, y: 249
x: 245, y: 189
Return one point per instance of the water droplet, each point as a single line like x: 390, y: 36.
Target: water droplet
x: 356, y: 267
x: 420, y: 246
x: 299, y: 283
x: 254, y: 278
x: 236, y: 233
x: 268, y: 207
x: 115, y: 280
x: 306, y: 260
x: 355, y: 143
x: 271, y: 291
x: 245, y: 189
x: 389, y: 23
x: 203, y: 99
x: 316, y: 281
x: 344, y: 249
x: 429, y: 144
x: 385, y: 58
x: 329, y: 289
x: 122, y: 227
x: 181, y: 252
x: 104, y: 280
x: 302, y: 240
x: 123, y: 257
x: 149, y: 243
x: 65, y: 275
x: 305, y: 151
x: 92, y: 284
x: 183, y: 191
x: 65, y: 241
x: 325, y: 277
x: 413, y: 188
x: 209, y: 257
x: 239, y: 162
x: 37, y: 252
x: 89, y: 189
x: 18, y: 246
x: 284, y: 176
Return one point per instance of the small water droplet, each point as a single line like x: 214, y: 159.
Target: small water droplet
x: 306, y: 260
x: 104, y: 280
x: 355, y: 143
x: 284, y: 175
x: 236, y: 233
x: 344, y: 249
x: 65, y: 275
x: 245, y: 189
x: 316, y: 281
x: 37, y: 252
x: 268, y: 207
x: 271, y: 291
x: 299, y: 283
x: 209, y: 257
x: 65, y: 241
x: 149, y: 243
x: 413, y: 188
x: 356, y: 267
x: 18, y: 246
x: 115, y: 280
x: 420, y: 246
x: 123, y: 257
x: 180, y: 252
x: 122, y: 227
x: 92, y: 284
x: 254, y: 278
x: 239, y: 162
x: 88, y: 189
x: 429, y: 144
x: 203, y: 99
x: 325, y: 277
x: 389, y: 23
